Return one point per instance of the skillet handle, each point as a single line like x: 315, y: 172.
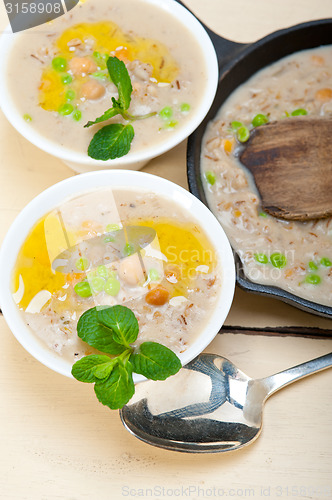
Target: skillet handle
x: 226, y: 50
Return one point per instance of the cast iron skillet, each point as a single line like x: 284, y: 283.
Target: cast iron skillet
x: 237, y: 63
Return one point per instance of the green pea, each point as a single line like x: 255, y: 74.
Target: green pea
x: 128, y: 249
x: 70, y: 95
x: 77, y: 115
x: 83, y: 289
x: 261, y: 258
x: 59, y: 64
x: 102, y: 271
x: 243, y: 134
x: 313, y: 279
x: 262, y: 214
x: 278, y: 260
x: 325, y: 261
x: 97, y: 284
x: 235, y: 125
x: 299, y: 112
x: 112, y: 286
x: 109, y: 239
x: 101, y: 75
x: 185, y: 107
x: 154, y: 275
x: 100, y: 58
x: 210, y: 177
x: 66, y: 79
x: 166, y: 113
x: 312, y: 266
x: 287, y: 114
x: 259, y: 120
x: 82, y: 263
x: 112, y: 227
x: 66, y: 109
x: 27, y: 117
x: 171, y: 124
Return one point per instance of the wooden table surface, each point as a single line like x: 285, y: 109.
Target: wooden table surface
x: 58, y: 442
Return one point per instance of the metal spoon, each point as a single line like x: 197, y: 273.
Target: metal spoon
x: 209, y: 406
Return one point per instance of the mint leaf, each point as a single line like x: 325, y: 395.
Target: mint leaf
x: 111, y: 141
x: 121, y: 79
x: 93, y: 368
x: 96, y: 334
x: 109, y: 113
x: 118, y: 389
x: 155, y: 361
x: 122, y: 321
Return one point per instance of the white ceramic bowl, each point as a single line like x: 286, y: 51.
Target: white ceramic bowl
x: 81, y: 162
x: 54, y: 196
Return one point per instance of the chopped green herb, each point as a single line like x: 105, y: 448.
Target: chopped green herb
x: 278, y: 260
x: 261, y: 258
x: 313, y: 279
x: 243, y: 134
x: 112, y: 330
x: 259, y: 120
x: 109, y: 239
x: 262, y: 214
x: 27, y: 117
x: 210, y: 177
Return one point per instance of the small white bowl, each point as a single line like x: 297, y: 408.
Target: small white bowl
x: 81, y: 162
x: 53, y: 197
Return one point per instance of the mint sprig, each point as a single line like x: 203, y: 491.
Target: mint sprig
x: 113, y: 330
x: 114, y: 140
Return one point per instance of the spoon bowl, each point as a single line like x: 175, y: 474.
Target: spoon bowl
x: 209, y: 406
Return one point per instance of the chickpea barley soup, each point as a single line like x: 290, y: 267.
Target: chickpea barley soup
x: 122, y: 246
x: 60, y: 80
x: 295, y: 256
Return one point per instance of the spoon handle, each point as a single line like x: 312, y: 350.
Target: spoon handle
x: 275, y: 382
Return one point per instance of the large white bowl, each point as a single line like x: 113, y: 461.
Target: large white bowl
x: 54, y: 196
x: 81, y: 162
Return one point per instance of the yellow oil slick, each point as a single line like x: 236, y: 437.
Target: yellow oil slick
x: 106, y: 38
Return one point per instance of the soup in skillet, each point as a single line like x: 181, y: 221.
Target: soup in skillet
x: 295, y: 256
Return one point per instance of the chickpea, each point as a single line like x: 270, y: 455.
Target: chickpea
x: 130, y: 270
x: 82, y: 65
x: 323, y: 94
x: 92, y: 90
x: 158, y: 296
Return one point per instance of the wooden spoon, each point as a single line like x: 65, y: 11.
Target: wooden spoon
x: 291, y: 161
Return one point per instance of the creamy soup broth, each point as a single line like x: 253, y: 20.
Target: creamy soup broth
x: 172, y: 285
x: 164, y: 62
x: 303, y: 266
